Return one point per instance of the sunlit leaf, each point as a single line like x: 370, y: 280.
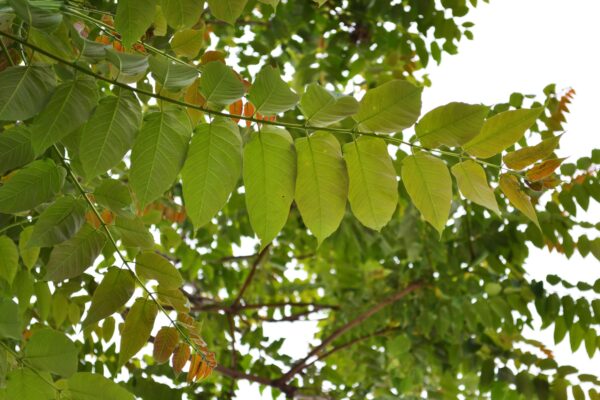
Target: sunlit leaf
x: 526, y: 156
x: 187, y: 43
x: 269, y: 94
x: 543, y: 169
x: 517, y: 197
x: 473, y: 184
x: 322, y: 108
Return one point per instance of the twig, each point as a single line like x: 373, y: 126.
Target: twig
x: 250, y: 276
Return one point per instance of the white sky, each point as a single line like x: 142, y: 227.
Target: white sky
x: 519, y: 46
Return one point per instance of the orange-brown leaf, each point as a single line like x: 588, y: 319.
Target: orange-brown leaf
x: 543, y: 169
x: 212, y: 55
x: 180, y: 358
x: 194, y: 366
x: 249, y: 112
x: 164, y: 344
x: 236, y: 108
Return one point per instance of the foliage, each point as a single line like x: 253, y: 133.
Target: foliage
x: 136, y: 163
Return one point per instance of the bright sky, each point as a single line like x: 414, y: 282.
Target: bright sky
x: 519, y: 46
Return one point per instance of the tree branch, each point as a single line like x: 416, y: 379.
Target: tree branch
x: 248, y: 280
x: 289, y: 390
x: 301, y: 364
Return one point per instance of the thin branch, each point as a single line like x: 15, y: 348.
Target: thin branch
x: 240, y: 375
x: 231, y: 324
x: 213, y: 306
x: 300, y: 365
x: 250, y: 276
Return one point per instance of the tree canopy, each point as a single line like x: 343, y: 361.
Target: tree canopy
x: 174, y: 174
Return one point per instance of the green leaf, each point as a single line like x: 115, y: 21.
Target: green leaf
x: 526, y: 156
x: 322, y: 108
x: 451, y: 125
x: 112, y: 293
x: 31, y: 186
x: 501, y: 131
x: 52, y: 351
x: 150, y: 265
x: 219, y: 84
x: 388, y: 108
x: 429, y: 185
x: 512, y: 190
x: 560, y: 330
x: 182, y: 14
x: 321, y: 184
x: 59, y: 222
x: 15, y: 148
x: 173, y: 298
x: 69, y: 108
x: 29, y: 254
x: 69, y: 259
x: 269, y: 171
x: 24, y: 91
x: 115, y: 196
x: 269, y: 94
x: 131, y: 66
x: 43, y: 299
x: 133, y: 19
x: 9, y: 259
x: 27, y: 384
x: 10, y: 320
x: 576, y: 335
x: 36, y: 17
x: 373, y: 188
x: 134, y: 233
x: 272, y: 3
x: 473, y: 184
x: 137, y: 328
x: 187, y: 43
x: 227, y: 10
x: 88, y: 386
x: 158, y: 154
x: 172, y: 76
x: 109, y: 133
x: 212, y: 169
x: 590, y: 342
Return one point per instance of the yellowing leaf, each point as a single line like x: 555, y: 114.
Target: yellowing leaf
x: 137, y: 328
x: 192, y: 96
x: 451, y: 125
x: 521, y: 158
x: 373, y: 188
x: 227, y: 10
x: 269, y: 171
x: 112, y: 293
x: 321, y: 184
x: 181, y: 14
x: 164, y: 344
x: 322, y: 108
x: 517, y: 197
x: 543, y: 169
x: 501, y: 131
x: 150, y: 265
x: 180, y: 358
x: 429, y: 185
x: 388, y: 108
x: 187, y: 43
x: 212, y: 169
x: 473, y: 184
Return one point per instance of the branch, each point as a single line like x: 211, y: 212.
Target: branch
x: 198, y: 306
x: 248, y: 280
x: 300, y: 365
x: 289, y: 390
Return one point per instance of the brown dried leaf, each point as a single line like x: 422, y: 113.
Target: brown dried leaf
x: 180, y: 358
x: 164, y: 344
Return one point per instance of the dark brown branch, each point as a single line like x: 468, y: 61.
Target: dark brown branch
x: 300, y: 365
x: 248, y: 256
x: 198, y: 306
x: 289, y: 390
x: 250, y: 276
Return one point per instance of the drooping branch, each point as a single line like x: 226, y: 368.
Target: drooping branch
x: 301, y: 364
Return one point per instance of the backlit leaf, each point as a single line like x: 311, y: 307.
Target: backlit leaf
x: 181, y: 14
x: 134, y: 233
x: 69, y: 108
x: 322, y: 108
x: 388, y: 108
x: 164, y: 344
x: 526, y: 156
x: 137, y: 328
x: 473, y: 184
x: 88, y: 386
x: 171, y: 75
x: 187, y: 43
x: 24, y: 91
x: 150, y: 265
x: 71, y: 258
x: 451, y: 125
x: 9, y: 259
x: 321, y: 184
x: 501, y: 131
x: 212, y: 169
x: 517, y: 197
x: 29, y: 254
x: 429, y: 185
x: 269, y: 171
x: 31, y: 186
x: 158, y: 153
x: 219, y: 84
x: 112, y: 293
x: 26, y: 384
x: 109, y: 133
x: 133, y: 18
x: 227, y: 10
x: 543, y: 169
x: 114, y: 195
x: 10, y: 320
x: 180, y: 357
x: 59, y: 222
x: 269, y: 94
x: 373, y: 188
x: 52, y: 351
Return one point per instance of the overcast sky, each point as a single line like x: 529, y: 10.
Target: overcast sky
x: 519, y: 46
